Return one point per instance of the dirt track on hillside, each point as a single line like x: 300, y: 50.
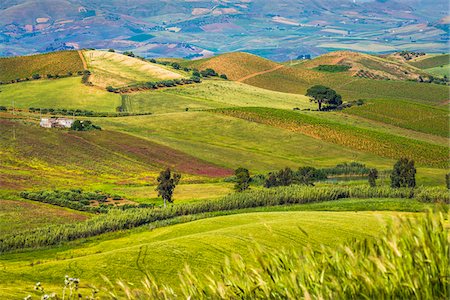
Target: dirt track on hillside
x: 85, y: 67
x: 259, y: 73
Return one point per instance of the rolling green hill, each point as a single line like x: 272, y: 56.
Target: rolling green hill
x: 55, y: 63
x: 298, y: 80
x: 431, y: 61
x: 68, y: 93
x: 43, y: 158
x: 163, y: 252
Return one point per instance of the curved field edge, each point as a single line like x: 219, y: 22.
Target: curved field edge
x: 380, y: 143
x: 203, y: 243
x: 117, y: 220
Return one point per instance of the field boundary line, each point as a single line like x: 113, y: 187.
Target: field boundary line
x: 260, y: 73
x: 85, y: 67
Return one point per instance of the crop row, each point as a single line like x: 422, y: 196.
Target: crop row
x: 382, y: 144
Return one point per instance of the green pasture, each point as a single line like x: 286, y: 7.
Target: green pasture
x: 67, y: 93
x: 163, y: 252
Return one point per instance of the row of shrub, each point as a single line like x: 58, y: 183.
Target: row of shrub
x: 151, y: 85
x: 116, y: 220
x: 37, y: 76
x: 80, y: 112
x: 407, y: 261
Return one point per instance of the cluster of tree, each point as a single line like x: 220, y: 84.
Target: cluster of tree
x: 323, y: 95
x: 153, y: 85
x: 435, y: 80
x: 287, y: 177
x: 408, y: 55
x: 129, y: 53
x: 85, y: 125
x: 75, y: 199
x: 3, y: 108
x: 85, y: 78
x: 167, y: 181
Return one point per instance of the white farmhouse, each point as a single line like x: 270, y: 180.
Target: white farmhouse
x: 56, y: 122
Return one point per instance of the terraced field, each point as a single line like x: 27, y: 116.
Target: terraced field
x: 114, y: 69
x: 163, y: 252
x: 67, y: 93
x: 50, y: 63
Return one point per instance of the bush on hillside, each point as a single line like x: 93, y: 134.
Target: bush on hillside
x: 85, y: 125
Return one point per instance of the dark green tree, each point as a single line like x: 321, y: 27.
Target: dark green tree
x: 166, y: 185
x: 324, y: 95
x: 36, y: 76
x: 271, y: 181
x: 447, y: 180
x: 306, y: 175
x: 77, y: 126
x: 242, y: 179
x: 404, y: 174
x: 285, y: 177
x: 373, y: 176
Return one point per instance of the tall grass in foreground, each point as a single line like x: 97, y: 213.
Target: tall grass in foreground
x: 409, y: 261
x: 117, y: 220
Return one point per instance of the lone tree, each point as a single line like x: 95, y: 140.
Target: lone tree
x: 324, y: 95
x: 404, y: 174
x: 242, y: 179
x: 373, y: 176
x: 166, y: 185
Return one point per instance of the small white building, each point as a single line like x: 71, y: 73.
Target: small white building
x: 56, y: 122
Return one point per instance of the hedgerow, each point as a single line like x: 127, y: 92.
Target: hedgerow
x: 119, y: 220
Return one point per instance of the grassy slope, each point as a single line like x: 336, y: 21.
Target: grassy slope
x: 422, y: 118
x: 43, y: 64
x: 357, y: 138
x: 234, y: 65
x: 17, y: 216
x: 67, y: 93
x: 213, y: 94
x: 232, y: 142
x: 298, y: 80
x: 117, y: 70
x: 431, y: 61
x: 360, y: 61
x: 42, y: 158
x: 163, y: 252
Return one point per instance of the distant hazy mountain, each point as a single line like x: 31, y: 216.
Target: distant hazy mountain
x: 280, y: 30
